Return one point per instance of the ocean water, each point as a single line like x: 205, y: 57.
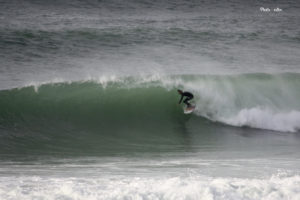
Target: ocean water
x: 89, y: 103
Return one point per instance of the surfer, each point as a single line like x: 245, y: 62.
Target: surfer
x: 188, y: 96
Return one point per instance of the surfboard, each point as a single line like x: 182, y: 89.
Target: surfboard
x: 188, y: 110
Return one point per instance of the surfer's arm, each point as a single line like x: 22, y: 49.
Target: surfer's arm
x: 180, y: 99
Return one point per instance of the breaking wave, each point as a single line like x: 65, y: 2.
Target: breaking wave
x: 255, y: 100
x: 136, y: 114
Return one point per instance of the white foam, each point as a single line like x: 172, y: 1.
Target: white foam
x: 266, y: 119
x: 276, y: 187
x: 104, y: 80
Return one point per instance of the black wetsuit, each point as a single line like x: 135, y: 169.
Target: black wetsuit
x: 188, y: 96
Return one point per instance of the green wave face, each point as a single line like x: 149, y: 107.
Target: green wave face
x: 138, y: 114
x: 64, y: 117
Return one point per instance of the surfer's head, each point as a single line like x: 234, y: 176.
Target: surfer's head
x: 180, y: 91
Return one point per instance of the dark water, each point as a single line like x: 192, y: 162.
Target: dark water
x: 89, y: 104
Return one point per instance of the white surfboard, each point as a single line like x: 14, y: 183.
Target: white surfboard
x: 188, y: 110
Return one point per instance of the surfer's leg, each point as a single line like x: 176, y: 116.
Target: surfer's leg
x: 186, y: 101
